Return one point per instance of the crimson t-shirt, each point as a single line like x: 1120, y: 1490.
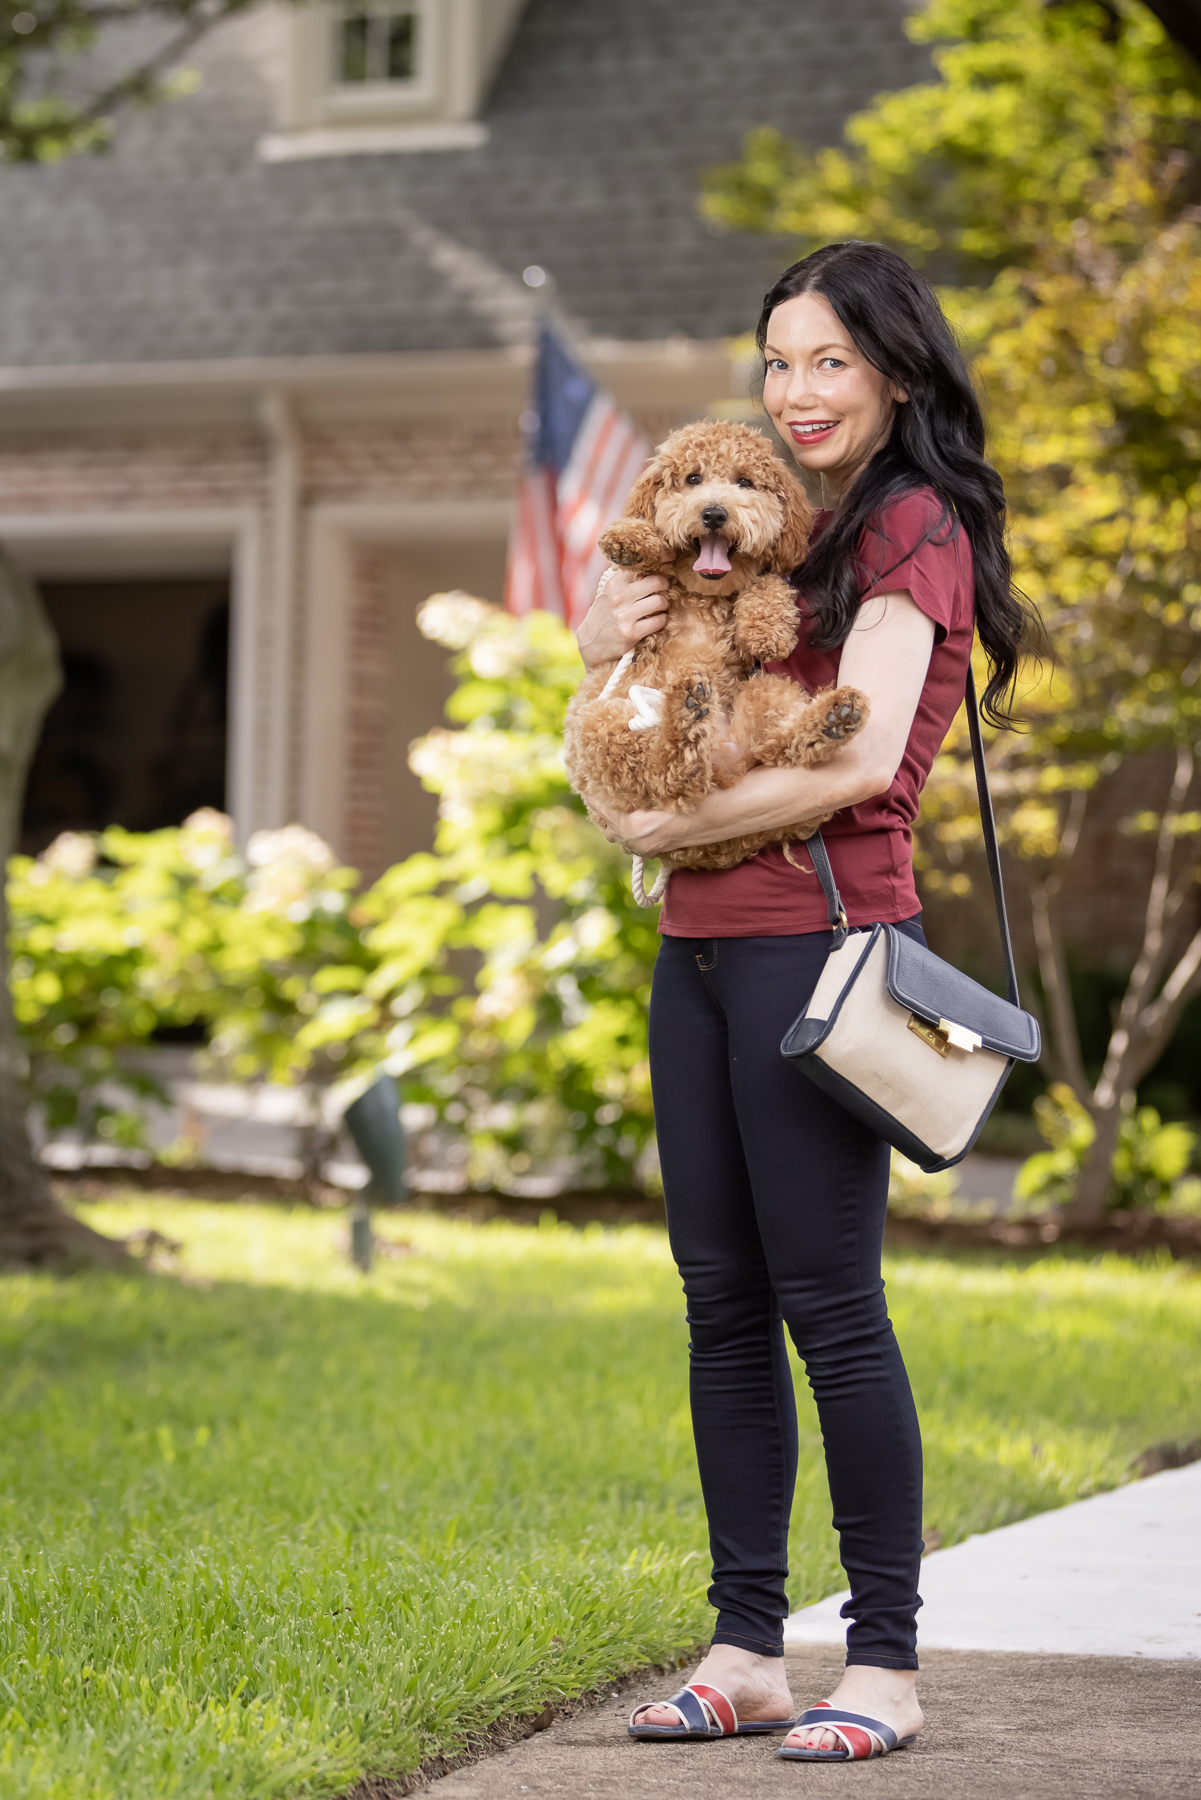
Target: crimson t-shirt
x: 870, y: 845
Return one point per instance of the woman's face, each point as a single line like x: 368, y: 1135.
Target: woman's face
x: 825, y: 399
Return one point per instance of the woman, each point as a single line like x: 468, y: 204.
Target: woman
x: 775, y: 1196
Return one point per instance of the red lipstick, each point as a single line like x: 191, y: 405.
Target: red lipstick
x: 814, y: 431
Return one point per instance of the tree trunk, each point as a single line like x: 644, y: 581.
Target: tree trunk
x: 1091, y: 1201
x: 33, y: 1228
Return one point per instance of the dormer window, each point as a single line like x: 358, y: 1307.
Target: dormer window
x: 376, y: 44
x: 388, y: 75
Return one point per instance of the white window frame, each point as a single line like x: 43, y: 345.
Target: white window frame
x: 460, y: 45
x: 351, y: 99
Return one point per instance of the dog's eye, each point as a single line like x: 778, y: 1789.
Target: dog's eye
x: 692, y: 480
x: 745, y: 481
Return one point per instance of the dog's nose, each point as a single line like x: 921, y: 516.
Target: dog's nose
x: 714, y: 517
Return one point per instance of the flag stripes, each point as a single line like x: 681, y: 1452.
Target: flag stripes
x: 554, y: 563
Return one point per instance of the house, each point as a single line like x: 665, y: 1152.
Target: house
x: 262, y: 362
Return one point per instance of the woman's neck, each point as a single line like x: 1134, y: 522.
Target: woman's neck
x: 835, y: 483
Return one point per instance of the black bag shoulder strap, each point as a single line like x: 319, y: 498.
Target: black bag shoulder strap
x: 825, y: 874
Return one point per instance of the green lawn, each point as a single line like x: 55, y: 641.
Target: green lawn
x: 267, y: 1531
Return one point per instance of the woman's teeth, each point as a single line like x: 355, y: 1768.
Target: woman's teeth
x: 817, y: 428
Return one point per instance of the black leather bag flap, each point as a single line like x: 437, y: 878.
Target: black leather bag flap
x: 931, y: 988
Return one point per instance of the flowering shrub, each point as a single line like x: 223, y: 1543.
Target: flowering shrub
x: 543, y: 1064
x: 101, y: 933
x: 115, y: 936
x: 503, y: 978
x: 1148, y: 1167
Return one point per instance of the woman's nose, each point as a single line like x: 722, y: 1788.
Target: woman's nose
x: 800, y: 391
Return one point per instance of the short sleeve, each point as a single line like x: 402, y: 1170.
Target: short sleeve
x: 917, y: 545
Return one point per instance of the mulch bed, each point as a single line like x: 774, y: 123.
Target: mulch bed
x: 1124, y: 1232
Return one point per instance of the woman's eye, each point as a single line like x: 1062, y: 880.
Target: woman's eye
x: 777, y: 363
x: 692, y: 479
x: 831, y: 362
x: 745, y: 481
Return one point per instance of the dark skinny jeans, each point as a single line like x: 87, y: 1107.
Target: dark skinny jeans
x: 776, y: 1200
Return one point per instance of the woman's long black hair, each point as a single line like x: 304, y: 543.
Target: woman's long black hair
x: 936, y: 441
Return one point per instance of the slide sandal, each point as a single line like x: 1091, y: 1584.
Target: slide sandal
x: 861, y: 1737
x: 703, y: 1712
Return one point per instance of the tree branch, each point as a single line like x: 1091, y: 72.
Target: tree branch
x: 1128, y: 1035
x: 25, y: 139
x: 1161, y: 1018
x: 1052, y: 967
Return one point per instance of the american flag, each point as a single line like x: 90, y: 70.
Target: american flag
x: 584, y: 454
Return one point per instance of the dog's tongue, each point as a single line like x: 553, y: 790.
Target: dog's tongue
x: 713, y: 559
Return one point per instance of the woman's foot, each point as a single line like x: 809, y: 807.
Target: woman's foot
x: 755, y: 1686
x: 889, y: 1695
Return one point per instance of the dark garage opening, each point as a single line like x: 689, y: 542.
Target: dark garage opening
x: 137, y: 737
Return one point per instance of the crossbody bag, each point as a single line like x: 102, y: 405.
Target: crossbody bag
x: 911, y: 1046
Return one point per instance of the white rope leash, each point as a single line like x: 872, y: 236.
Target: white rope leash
x: 618, y: 671
x: 660, y: 887
x: 640, y: 894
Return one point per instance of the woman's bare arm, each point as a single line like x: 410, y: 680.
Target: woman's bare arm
x: 886, y: 656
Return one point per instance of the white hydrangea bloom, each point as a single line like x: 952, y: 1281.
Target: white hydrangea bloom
x: 72, y: 853
x: 453, y: 618
x: 293, y: 846
x: 206, y: 838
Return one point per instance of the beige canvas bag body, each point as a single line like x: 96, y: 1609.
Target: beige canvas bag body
x: 911, y: 1046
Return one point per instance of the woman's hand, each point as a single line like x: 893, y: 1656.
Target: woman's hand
x: 641, y: 833
x: 628, y: 607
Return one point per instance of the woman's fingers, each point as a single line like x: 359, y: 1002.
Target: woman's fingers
x: 628, y: 607
x: 647, y: 611
x: 641, y: 833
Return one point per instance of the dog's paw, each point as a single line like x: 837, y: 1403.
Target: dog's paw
x: 633, y: 544
x: 765, y: 620
x: 846, y: 713
x: 768, y: 645
x: 697, y: 698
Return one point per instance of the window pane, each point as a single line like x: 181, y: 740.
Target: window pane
x: 402, y: 47
x: 377, y: 42
x: 353, y: 62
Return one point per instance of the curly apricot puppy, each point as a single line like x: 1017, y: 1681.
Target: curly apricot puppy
x: 689, y: 709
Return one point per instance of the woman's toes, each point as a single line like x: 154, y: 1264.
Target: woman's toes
x: 657, y: 1715
x: 812, y: 1739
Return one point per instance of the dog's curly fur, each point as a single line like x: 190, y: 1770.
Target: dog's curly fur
x: 720, y: 714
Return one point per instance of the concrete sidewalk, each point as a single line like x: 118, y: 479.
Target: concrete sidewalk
x: 999, y: 1727
x: 1059, y: 1659
x: 1117, y: 1575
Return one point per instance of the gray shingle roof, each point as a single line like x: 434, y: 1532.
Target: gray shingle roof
x: 180, y: 245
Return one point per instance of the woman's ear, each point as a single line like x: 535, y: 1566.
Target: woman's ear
x: 897, y: 394
x: 790, y: 547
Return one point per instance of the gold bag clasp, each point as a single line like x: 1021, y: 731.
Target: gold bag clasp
x: 929, y: 1034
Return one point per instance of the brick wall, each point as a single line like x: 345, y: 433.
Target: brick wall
x: 130, y: 474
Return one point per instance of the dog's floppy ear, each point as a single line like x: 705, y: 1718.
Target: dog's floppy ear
x: 790, y: 547
x: 640, y: 503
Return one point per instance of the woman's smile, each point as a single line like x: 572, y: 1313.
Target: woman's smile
x: 811, y: 431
